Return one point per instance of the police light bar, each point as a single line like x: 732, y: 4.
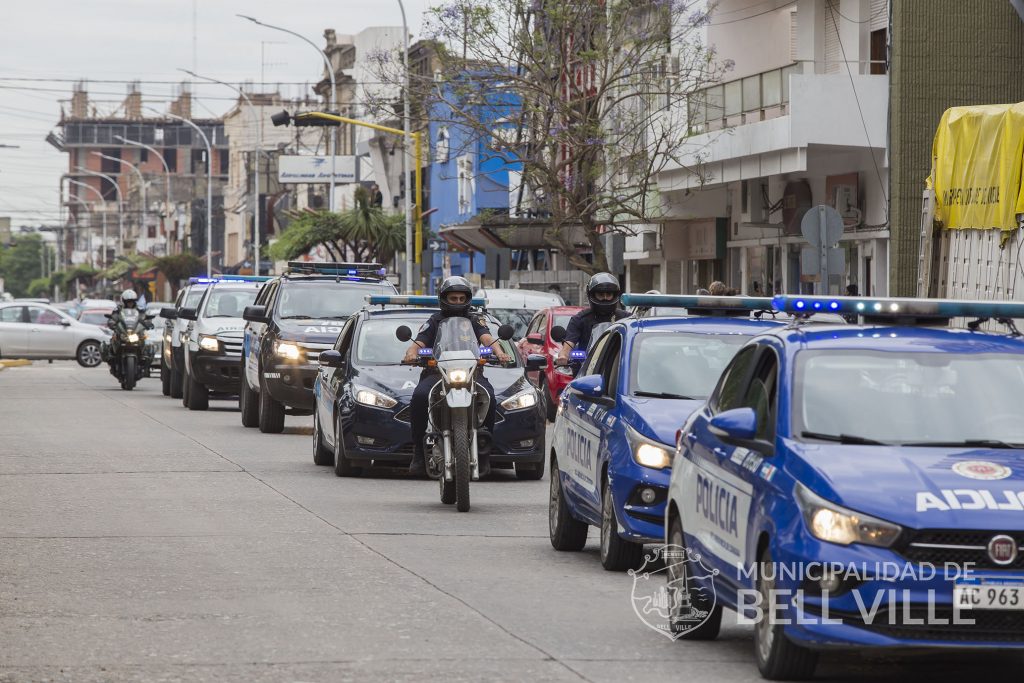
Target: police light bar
x: 228, y: 278
x: 408, y: 300
x: 734, y: 303
x: 335, y: 268
x: 887, y: 307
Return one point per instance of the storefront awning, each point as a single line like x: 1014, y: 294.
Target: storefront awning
x: 505, y: 232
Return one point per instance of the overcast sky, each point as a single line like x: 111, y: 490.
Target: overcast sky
x: 47, y: 45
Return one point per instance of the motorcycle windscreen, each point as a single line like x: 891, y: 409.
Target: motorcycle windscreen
x: 131, y: 318
x: 456, y: 334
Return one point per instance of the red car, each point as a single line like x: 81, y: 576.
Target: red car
x: 550, y: 381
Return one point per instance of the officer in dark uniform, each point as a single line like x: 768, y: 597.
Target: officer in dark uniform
x: 603, y: 294
x: 453, y: 296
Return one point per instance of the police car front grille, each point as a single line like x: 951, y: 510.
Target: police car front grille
x: 312, y: 351
x: 993, y: 626
x: 232, y: 346
x: 404, y: 415
x: 964, y: 548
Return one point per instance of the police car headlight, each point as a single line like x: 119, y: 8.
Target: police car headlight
x: 835, y: 524
x: 133, y: 338
x: 374, y: 399
x: 524, y: 399
x: 287, y: 350
x: 208, y: 343
x: 647, y: 452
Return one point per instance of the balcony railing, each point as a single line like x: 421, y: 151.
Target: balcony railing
x: 744, y: 100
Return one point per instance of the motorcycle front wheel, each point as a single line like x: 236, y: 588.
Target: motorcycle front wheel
x: 461, y: 455
x: 128, y: 376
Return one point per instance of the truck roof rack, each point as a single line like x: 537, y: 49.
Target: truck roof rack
x: 337, y: 269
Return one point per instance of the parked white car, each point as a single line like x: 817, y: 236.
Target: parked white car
x: 42, y: 332
x: 516, y: 307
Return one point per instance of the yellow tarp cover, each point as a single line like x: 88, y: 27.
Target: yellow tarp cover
x: 977, y: 160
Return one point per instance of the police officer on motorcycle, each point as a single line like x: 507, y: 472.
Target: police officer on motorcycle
x: 454, y: 297
x: 603, y: 294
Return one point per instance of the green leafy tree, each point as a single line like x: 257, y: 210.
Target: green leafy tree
x: 21, y: 263
x: 178, y: 267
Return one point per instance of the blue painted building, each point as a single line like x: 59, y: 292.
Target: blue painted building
x: 467, y: 177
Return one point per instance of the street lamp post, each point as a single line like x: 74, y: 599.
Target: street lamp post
x: 412, y: 249
x: 142, y: 183
x: 120, y: 208
x: 92, y: 262
x: 99, y: 194
x: 209, y: 190
x: 259, y: 153
x: 334, y: 93
x: 167, y: 169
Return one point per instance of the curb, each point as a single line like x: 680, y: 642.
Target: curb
x: 14, y: 363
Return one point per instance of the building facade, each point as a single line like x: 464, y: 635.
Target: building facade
x: 799, y: 120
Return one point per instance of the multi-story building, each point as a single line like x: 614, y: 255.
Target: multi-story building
x: 800, y: 120
x: 171, y: 159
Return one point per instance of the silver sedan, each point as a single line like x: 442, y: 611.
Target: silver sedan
x: 41, y: 332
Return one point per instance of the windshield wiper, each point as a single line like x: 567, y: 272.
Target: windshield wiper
x: 662, y: 394
x: 296, y: 317
x: 979, y: 443
x: 843, y: 438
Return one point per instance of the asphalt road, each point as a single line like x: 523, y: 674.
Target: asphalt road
x: 141, y: 541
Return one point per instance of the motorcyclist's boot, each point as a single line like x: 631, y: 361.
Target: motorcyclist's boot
x: 418, y: 466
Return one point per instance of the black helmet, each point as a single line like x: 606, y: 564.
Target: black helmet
x: 604, y: 282
x: 450, y: 285
x: 129, y: 299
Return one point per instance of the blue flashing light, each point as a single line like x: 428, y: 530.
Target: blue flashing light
x: 409, y: 300
x: 426, y: 352
x: 577, y: 354
x: 747, y: 303
x: 486, y: 351
x: 891, y: 307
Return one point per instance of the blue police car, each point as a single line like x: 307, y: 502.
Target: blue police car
x: 858, y: 486
x: 614, y: 434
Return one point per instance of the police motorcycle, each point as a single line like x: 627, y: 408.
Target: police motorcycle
x: 457, y: 406
x: 127, y: 353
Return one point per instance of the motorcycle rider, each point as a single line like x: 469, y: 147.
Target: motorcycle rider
x: 453, y: 296
x: 603, y: 294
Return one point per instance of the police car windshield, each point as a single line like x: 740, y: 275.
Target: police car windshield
x: 921, y: 399
x: 324, y: 300
x: 376, y: 343
x: 193, y: 297
x: 228, y: 303
x: 680, y: 364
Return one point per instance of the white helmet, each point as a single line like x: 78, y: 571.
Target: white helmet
x: 129, y: 299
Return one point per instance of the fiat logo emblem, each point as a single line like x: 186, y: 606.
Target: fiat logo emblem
x: 1002, y: 550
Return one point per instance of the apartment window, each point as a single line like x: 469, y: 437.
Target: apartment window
x: 223, y: 161
x: 198, y: 161
x: 108, y: 190
x: 771, y: 86
x: 715, y: 101
x: 110, y: 165
x: 751, y: 93
x: 733, y: 98
x: 171, y: 159
x: 466, y: 183
x: 878, y: 52
x: 143, y: 155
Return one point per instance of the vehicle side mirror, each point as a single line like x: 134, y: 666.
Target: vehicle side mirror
x: 108, y: 316
x: 169, y: 313
x: 505, y: 332
x: 591, y: 386
x: 738, y: 427
x: 536, y: 361
x: 403, y: 333
x: 188, y: 313
x: 255, y: 314
x: 65, y: 323
x: 331, y: 359
x: 535, y: 339
x: 558, y: 334
x: 150, y: 315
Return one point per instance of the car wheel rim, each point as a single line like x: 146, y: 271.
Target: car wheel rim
x: 91, y: 355
x: 764, y: 630
x: 606, y: 523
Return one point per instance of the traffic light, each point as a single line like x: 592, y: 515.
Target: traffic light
x: 305, y: 119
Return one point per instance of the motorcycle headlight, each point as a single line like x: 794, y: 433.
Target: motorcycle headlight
x: 458, y: 376
x: 835, y: 524
x: 374, y: 399
x: 208, y: 343
x: 287, y: 350
x: 524, y: 399
x: 133, y: 338
x: 647, y: 452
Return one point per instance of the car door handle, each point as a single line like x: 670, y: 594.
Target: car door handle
x: 720, y: 452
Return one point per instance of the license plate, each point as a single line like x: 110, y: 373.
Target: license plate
x: 989, y: 596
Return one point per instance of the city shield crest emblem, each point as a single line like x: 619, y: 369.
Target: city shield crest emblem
x: 673, y: 591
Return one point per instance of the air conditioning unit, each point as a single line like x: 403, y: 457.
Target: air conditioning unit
x: 844, y: 199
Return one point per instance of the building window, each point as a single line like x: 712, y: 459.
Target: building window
x: 466, y: 183
x: 108, y: 190
x: 198, y: 161
x: 143, y: 155
x: 110, y: 165
x: 171, y: 159
x: 224, y: 161
x: 441, y: 152
x: 878, y: 52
